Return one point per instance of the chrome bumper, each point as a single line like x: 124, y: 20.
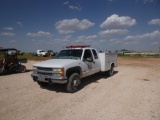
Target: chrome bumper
x: 48, y: 79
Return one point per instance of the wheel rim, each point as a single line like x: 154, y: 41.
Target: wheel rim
x: 75, y: 83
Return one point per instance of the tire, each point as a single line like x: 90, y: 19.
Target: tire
x: 111, y: 71
x: 1, y: 69
x: 74, y: 82
x: 42, y: 84
x: 22, y: 69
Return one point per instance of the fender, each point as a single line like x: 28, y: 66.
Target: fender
x: 76, y: 69
x: 112, y: 64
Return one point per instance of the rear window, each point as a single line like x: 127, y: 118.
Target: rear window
x: 95, y: 54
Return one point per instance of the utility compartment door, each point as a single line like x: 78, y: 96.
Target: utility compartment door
x: 106, y: 60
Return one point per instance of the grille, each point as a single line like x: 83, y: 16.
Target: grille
x: 43, y: 73
x: 45, y: 69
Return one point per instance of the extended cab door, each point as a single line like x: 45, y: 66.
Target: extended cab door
x: 93, y: 65
x: 96, y: 61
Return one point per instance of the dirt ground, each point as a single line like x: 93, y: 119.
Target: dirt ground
x: 133, y: 93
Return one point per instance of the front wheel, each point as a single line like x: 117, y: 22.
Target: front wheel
x: 111, y: 71
x: 73, y: 83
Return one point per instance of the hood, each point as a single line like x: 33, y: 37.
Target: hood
x: 53, y: 63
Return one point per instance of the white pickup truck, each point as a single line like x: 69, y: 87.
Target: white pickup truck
x: 72, y: 64
x: 41, y: 53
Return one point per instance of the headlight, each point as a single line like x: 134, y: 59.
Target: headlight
x: 34, y: 67
x: 59, y: 72
x: 34, y: 70
x: 56, y: 69
x: 57, y: 75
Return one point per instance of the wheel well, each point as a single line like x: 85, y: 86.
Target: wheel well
x: 112, y: 64
x: 72, y: 70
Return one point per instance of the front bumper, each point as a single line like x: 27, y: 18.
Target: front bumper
x: 48, y: 79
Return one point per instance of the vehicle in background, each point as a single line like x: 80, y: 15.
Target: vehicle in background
x: 72, y: 64
x: 41, y: 53
x: 10, y: 62
x: 19, y: 52
x: 51, y: 53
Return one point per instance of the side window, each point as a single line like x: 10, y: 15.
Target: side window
x: 95, y: 54
x: 87, y: 54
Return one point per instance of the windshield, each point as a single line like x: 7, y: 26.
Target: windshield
x: 7, y: 54
x: 69, y: 54
x: 2, y: 54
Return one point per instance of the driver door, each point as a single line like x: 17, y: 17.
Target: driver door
x: 89, y: 62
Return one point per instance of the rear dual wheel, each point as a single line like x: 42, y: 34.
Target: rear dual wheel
x: 111, y: 71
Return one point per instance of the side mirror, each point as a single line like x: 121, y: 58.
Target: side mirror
x: 89, y: 60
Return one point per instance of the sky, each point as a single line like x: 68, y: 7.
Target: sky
x: 30, y: 25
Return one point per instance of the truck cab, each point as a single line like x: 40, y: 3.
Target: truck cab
x: 72, y: 64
